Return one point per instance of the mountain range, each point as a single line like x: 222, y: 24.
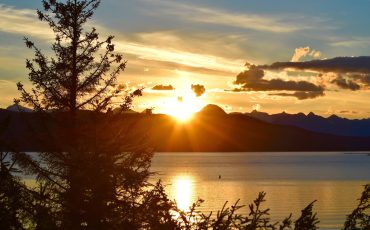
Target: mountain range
x: 331, y: 125
x: 210, y: 130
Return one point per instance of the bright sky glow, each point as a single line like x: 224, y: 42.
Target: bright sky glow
x: 208, y: 42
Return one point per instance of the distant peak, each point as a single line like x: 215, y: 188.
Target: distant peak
x: 311, y: 114
x: 333, y: 116
x: 256, y: 112
x: 283, y: 113
x: 119, y: 110
x: 18, y: 108
x: 213, y: 110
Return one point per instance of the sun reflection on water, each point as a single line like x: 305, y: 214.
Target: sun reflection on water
x: 183, y: 191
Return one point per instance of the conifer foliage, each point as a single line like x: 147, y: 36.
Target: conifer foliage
x: 90, y: 172
x: 83, y: 71
x: 89, y: 176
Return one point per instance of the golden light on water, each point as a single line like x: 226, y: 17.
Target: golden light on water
x: 183, y: 191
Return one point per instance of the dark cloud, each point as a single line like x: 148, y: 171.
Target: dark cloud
x: 199, y: 90
x: 163, y: 87
x: 366, y: 79
x: 348, y: 112
x: 235, y: 90
x: 353, y: 73
x: 338, y: 65
x: 301, y: 95
x: 278, y: 84
x: 253, y: 74
x: 346, y: 83
x: 252, y: 80
x: 362, y: 78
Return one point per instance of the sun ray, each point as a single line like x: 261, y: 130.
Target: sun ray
x: 183, y: 107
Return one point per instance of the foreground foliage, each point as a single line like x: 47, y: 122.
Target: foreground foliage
x: 92, y: 174
x: 21, y: 208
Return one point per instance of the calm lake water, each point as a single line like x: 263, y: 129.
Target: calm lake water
x: 291, y: 181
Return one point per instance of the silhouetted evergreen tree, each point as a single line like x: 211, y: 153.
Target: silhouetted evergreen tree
x: 92, y: 173
x: 89, y: 174
x: 11, y: 202
x: 13, y: 193
x: 308, y: 219
x: 360, y: 216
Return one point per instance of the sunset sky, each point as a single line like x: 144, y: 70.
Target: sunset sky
x: 219, y: 52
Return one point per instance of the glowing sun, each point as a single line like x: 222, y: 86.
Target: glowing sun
x: 183, y: 108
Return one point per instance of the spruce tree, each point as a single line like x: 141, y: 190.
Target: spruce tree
x: 12, y: 202
x: 91, y: 175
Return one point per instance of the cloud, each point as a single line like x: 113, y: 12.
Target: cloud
x: 303, y: 52
x: 252, y: 80
x: 6, y: 83
x: 346, y: 83
x: 349, y: 73
x: 199, y: 90
x: 23, y: 21
x: 243, y: 21
x: 315, y: 53
x: 163, y: 87
x: 365, y: 79
x: 361, y: 78
x: 253, y: 74
x: 301, y: 95
x: 249, y: 21
x: 348, y: 112
x: 352, y: 73
x: 299, y: 53
x: 352, y: 42
x: 178, y: 56
x: 235, y: 90
x: 339, y: 65
x: 256, y: 107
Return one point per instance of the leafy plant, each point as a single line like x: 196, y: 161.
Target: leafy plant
x: 360, y: 216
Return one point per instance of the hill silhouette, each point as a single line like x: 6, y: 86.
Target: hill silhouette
x: 210, y: 130
x: 332, y: 125
x: 18, y: 108
x: 212, y: 110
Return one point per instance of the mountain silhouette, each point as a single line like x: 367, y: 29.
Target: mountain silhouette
x: 209, y: 130
x: 212, y: 110
x: 332, y: 125
x: 18, y: 108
